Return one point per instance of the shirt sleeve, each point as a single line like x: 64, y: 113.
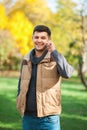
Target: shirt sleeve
x: 64, y: 68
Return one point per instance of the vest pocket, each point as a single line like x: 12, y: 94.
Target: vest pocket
x: 20, y: 103
x: 53, y: 98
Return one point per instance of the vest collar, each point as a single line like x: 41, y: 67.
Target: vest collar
x: 45, y: 59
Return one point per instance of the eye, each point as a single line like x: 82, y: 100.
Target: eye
x: 43, y: 37
x: 36, y: 37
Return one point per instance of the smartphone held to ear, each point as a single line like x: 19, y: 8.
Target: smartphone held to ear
x: 50, y: 46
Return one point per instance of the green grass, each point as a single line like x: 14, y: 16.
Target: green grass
x: 9, y: 117
x: 74, y: 105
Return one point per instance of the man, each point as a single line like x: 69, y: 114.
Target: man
x: 39, y: 94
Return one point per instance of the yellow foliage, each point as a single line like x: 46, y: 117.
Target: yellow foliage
x: 30, y: 1
x: 21, y: 28
x: 17, y: 21
x: 3, y: 18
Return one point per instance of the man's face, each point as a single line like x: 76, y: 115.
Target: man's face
x: 40, y: 40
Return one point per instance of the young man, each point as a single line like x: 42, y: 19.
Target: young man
x: 39, y: 93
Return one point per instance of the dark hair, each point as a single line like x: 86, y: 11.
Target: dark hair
x: 42, y: 28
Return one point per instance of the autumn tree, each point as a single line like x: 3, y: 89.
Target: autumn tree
x: 83, y: 57
x: 71, y: 28
x: 9, y: 56
x: 22, y: 16
x: 18, y: 19
x: 66, y: 24
x: 3, y: 18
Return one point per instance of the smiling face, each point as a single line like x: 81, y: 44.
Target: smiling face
x: 40, y: 40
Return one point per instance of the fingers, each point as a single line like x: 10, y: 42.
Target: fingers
x: 50, y: 46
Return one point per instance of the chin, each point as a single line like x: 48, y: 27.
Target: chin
x: 40, y: 49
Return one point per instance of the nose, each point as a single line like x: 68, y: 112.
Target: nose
x: 39, y: 40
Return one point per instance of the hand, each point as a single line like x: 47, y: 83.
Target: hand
x: 50, y: 46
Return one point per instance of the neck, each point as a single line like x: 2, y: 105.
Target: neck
x: 39, y: 53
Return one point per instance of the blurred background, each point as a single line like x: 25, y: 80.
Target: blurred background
x: 67, y: 20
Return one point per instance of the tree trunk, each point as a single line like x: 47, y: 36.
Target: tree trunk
x: 83, y: 59
x: 83, y: 75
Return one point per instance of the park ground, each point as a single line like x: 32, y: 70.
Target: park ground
x: 74, y: 105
